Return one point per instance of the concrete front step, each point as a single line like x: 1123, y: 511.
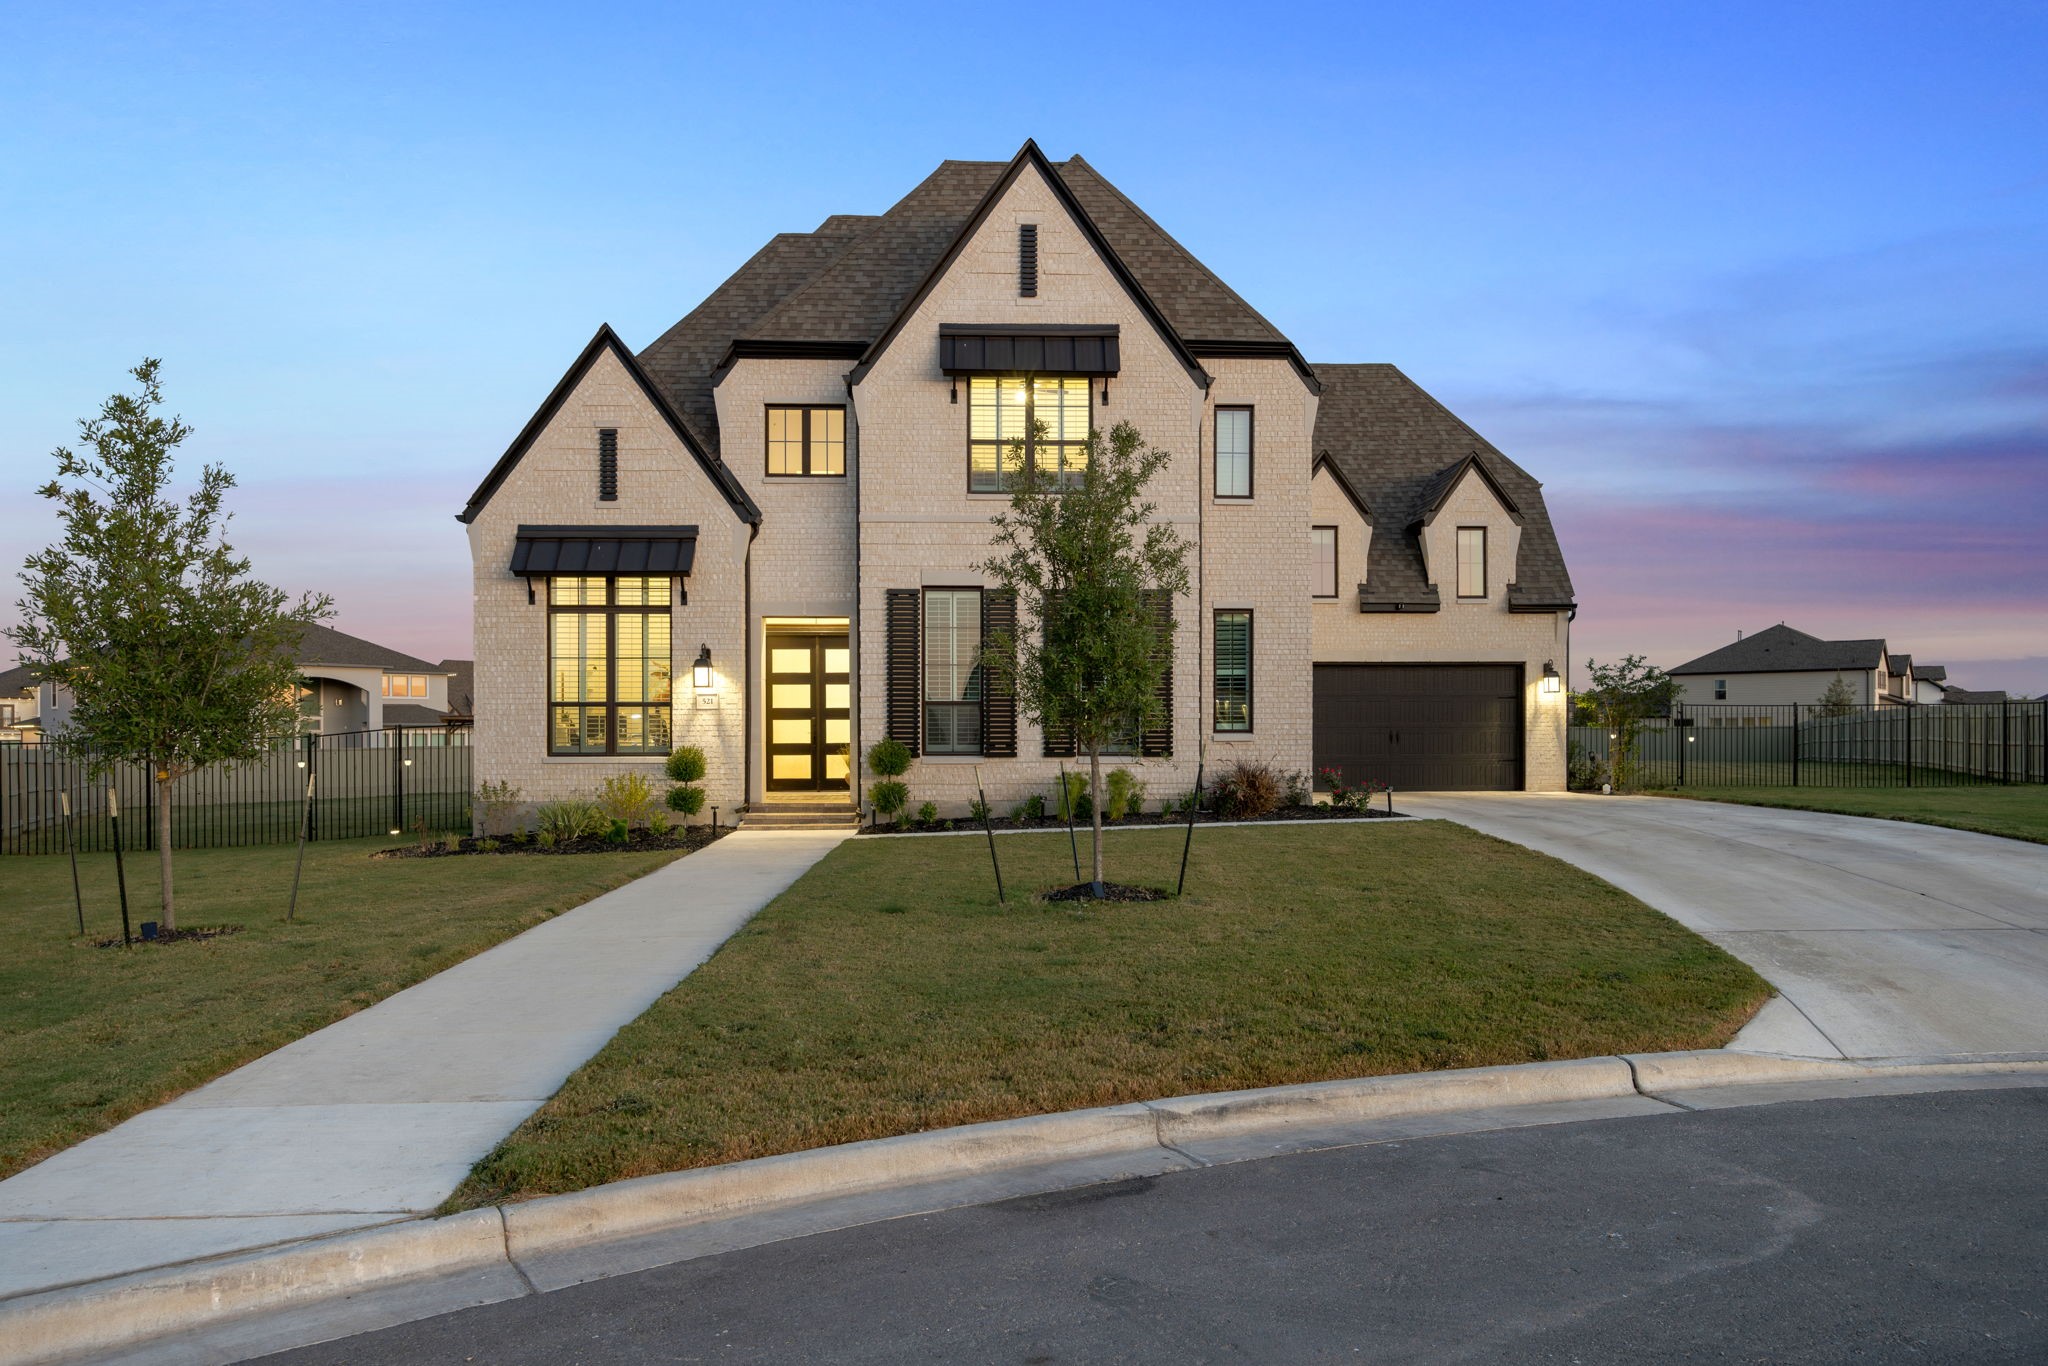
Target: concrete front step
x: 759, y: 819
x: 837, y: 806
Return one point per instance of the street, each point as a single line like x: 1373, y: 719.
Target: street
x: 1903, y: 1228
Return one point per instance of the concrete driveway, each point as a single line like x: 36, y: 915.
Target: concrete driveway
x: 1885, y: 939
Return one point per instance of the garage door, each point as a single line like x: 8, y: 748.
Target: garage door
x: 1421, y: 727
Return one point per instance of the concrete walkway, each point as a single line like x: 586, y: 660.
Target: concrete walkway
x: 1885, y: 939
x: 381, y: 1115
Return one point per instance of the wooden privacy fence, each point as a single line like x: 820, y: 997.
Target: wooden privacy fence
x: 1808, y: 745
x: 369, y: 783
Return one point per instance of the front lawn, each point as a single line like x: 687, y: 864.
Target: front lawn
x: 2018, y: 812
x: 93, y: 1035
x: 887, y: 992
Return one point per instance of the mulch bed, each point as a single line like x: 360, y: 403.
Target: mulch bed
x: 640, y: 842
x: 1286, y: 813
x: 1111, y: 891
x: 190, y: 934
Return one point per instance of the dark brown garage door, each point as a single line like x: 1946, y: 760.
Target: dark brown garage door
x: 1421, y: 727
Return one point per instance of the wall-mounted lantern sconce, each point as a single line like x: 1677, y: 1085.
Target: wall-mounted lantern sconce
x: 1552, y: 684
x: 701, y: 673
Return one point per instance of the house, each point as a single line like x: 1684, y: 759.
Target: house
x: 1968, y: 697
x: 346, y: 685
x: 20, y: 704
x: 1781, y: 666
x: 760, y: 534
x: 1930, y: 683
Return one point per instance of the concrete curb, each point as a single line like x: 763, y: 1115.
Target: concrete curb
x: 104, y: 1316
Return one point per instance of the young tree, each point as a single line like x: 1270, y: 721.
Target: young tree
x: 1085, y: 559
x: 1839, y: 699
x: 175, y: 657
x: 1621, y: 698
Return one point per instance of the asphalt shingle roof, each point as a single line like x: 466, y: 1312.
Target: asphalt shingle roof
x: 325, y: 645
x: 461, y: 685
x: 1781, y: 649
x: 16, y: 681
x: 1398, y: 447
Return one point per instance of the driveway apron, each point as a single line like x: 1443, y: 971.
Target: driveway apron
x: 1888, y: 939
x: 381, y: 1115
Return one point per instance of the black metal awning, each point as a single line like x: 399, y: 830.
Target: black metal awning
x: 972, y: 349
x: 605, y: 550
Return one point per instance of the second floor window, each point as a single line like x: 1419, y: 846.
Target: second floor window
x: 952, y: 670
x: 1323, y: 570
x: 1047, y: 414
x: 405, y: 685
x: 1471, y: 561
x: 1233, y: 452
x: 806, y: 440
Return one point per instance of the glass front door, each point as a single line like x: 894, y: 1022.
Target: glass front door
x: 810, y: 712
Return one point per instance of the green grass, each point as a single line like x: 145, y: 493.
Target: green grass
x: 91, y: 1035
x: 887, y: 992
x: 2018, y: 812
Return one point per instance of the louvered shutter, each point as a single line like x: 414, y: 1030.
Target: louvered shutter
x: 1157, y: 741
x: 901, y: 628
x: 999, y: 697
x: 1059, y: 740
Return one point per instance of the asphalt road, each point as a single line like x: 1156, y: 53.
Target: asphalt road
x: 1906, y: 1228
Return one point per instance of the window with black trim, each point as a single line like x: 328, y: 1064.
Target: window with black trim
x: 1047, y: 414
x: 609, y: 665
x: 1233, y: 452
x: 1471, y: 561
x: 952, y: 671
x: 1720, y: 690
x: 1233, y: 682
x: 806, y: 439
x: 1323, y: 568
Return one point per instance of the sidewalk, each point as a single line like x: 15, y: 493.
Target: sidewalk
x: 380, y: 1116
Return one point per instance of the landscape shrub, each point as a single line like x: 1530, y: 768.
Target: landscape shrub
x: 889, y: 797
x: 1123, y: 794
x: 928, y: 814
x: 1246, y: 790
x: 1032, y: 808
x: 977, y: 811
x: 1296, y: 789
x: 1080, y: 801
x: 571, y: 818
x: 686, y: 767
x: 889, y: 759
x: 628, y: 798
x: 497, y: 807
x: 686, y: 798
x: 658, y: 824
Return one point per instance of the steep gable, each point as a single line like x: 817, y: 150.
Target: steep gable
x: 1782, y: 649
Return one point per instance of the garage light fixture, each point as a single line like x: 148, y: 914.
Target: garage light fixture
x: 1552, y: 684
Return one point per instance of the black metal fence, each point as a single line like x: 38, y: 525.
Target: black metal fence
x: 366, y: 783
x: 1810, y: 745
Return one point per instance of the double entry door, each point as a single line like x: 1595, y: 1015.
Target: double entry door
x: 810, y: 711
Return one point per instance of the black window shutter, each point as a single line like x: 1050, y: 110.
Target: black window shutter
x: 1157, y: 741
x: 1059, y: 740
x: 607, y: 465
x: 902, y: 653
x: 999, y: 699
x: 1027, y: 260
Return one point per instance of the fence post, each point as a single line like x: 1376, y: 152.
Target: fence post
x: 1909, y: 747
x: 312, y: 803
x: 1795, y: 744
x: 397, y: 738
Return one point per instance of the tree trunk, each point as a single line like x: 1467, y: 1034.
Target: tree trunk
x: 1095, y: 813
x: 163, y: 847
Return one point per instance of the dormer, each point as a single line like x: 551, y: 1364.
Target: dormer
x: 1471, y: 533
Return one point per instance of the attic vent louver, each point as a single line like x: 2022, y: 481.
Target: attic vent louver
x: 1027, y: 260
x: 607, y: 465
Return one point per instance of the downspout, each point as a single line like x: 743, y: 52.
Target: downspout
x: 853, y: 748
x: 747, y: 670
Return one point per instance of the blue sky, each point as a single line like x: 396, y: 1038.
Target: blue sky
x: 1760, y: 292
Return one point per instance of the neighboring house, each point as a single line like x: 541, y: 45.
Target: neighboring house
x: 346, y: 684
x: 1782, y: 665
x: 759, y: 535
x: 1966, y: 697
x: 1930, y: 683
x: 461, y: 691
x: 20, y: 704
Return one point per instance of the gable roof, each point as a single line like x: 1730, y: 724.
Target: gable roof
x: 1965, y: 696
x: 1438, y: 491
x: 1029, y: 156
x: 18, y: 680
x: 1324, y: 464
x: 325, y: 645
x: 1929, y: 673
x: 1898, y: 664
x: 607, y: 340
x: 835, y: 291
x: 1402, y: 451
x: 1781, y: 649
